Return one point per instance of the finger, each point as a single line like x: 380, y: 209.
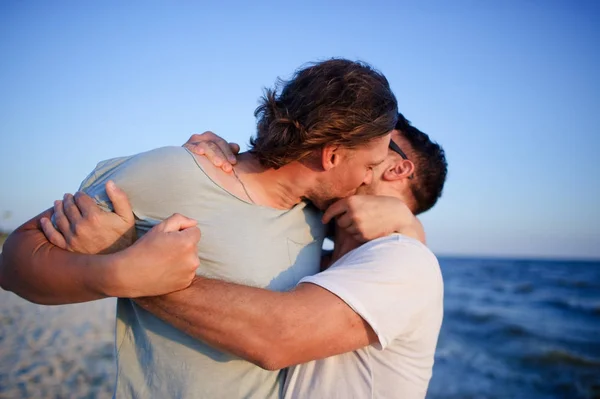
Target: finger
x: 191, y: 233
x: 235, y: 148
x: 352, y: 230
x: 120, y: 202
x: 225, y: 150
x: 214, y: 153
x: 52, y: 234
x: 73, y: 213
x: 176, y: 222
x: 195, y: 138
x: 359, y: 237
x: 195, y: 148
x: 337, y: 208
x: 86, y: 204
x: 62, y: 223
x: 344, y: 221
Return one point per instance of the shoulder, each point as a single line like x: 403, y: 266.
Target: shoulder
x: 150, y: 172
x: 394, y: 249
x: 395, y: 259
x: 163, y: 157
x: 160, y: 160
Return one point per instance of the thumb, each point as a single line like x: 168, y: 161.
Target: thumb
x: 120, y: 201
x: 235, y: 148
x: 336, y: 209
x: 177, y: 222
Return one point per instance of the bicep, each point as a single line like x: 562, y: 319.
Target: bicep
x: 320, y: 324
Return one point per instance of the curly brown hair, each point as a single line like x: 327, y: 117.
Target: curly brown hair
x: 335, y: 102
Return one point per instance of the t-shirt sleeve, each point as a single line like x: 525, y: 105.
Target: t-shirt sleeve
x: 94, y: 184
x: 388, y: 282
x: 154, y: 182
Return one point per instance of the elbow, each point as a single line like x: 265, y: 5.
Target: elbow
x: 278, y: 350
x: 262, y: 352
x: 271, y: 360
x: 7, y: 267
x: 3, y: 283
x: 9, y: 282
x: 4, y: 280
x: 267, y: 350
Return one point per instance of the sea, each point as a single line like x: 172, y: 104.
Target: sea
x: 512, y: 329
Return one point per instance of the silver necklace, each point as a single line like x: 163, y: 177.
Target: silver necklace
x: 243, y: 186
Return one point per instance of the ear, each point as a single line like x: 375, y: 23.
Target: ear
x: 402, y: 169
x: 330, y: 157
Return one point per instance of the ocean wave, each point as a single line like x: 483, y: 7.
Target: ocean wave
x: 589, y: 306
x: 558, y: 357
x: 514, y: 330
x: 479, y: 317
x: 576, y: 283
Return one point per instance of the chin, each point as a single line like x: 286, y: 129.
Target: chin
x: 324, y: 204
x: 320, y: 204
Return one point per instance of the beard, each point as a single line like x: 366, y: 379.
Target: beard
x: 366, y: 190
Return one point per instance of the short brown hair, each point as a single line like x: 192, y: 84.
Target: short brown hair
x: 431, y: 167
x: 337, y: 102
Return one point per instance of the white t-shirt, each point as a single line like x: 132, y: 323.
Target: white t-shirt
x: 395, y: 284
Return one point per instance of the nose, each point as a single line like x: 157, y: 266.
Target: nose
x: 368, y: 177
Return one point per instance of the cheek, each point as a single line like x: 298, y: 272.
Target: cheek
x: 355, y: 178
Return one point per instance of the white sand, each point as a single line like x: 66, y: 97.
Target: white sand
x: 56, y: 351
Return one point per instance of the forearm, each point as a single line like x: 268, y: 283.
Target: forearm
x: 237, y: 319
x: 270, y: 329
x: 38, y: 271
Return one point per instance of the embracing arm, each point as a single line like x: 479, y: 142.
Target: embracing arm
x: 270, y: 329
x: 370, y: 298
x: 46, y: 271
x: 42, y: 273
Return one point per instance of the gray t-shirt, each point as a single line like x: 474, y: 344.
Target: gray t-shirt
x: 241, y: 242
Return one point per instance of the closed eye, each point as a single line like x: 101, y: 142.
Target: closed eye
x: 376, y: 164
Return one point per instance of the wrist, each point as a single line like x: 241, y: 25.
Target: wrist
x: 109, y: 280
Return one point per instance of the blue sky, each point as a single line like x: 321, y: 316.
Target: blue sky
x: 511, y: 90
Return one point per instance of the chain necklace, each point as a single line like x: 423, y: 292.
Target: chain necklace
x: 243, y: 186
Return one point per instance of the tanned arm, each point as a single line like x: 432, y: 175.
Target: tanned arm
x: 40, y: 272
x: 270, y: 329
x: 37, y: 269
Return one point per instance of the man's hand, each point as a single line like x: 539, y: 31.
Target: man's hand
x: 84, y: 227
x: 215, y: 148
x: 367, y: 217
x: 164, y: 260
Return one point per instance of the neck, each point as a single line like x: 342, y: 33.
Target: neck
x: 276, y: 188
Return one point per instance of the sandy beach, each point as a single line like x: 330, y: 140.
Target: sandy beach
x: 56, y: 351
